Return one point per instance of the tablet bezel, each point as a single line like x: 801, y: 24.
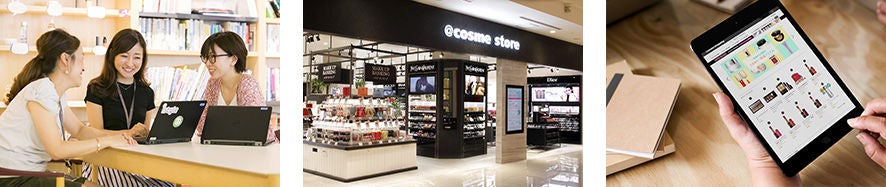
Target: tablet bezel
x: 746, y: 17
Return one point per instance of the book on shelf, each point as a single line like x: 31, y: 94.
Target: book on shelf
x: 273, y: 39
x: 272, y: 81
x: 273, y: 9
x: 178, y: 83
x: 189, y: 35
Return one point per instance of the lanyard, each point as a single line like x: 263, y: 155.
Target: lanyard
x: 61, y: 119
x: 127, y: 112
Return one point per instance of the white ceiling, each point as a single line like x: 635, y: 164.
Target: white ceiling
x: 510, y: 12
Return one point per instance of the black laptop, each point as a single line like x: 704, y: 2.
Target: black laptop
x: 236, y: 125
x: 175, y: 122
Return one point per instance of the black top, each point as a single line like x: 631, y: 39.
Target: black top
x: 112, y: 111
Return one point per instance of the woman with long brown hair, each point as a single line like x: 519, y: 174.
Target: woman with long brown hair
x: 120, y: 98
x: 32, y: 129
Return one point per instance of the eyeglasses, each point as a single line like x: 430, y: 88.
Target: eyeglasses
x: 211, y: 58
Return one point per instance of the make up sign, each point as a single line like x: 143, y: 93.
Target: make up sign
x: 330, y: 73
x: 480, y: 38
x: 380, y: 74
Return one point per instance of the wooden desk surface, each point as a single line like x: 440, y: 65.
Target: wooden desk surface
x: 195, y: 164
x: 656, y: 42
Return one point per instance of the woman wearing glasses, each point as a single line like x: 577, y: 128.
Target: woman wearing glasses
x: 224, y: 54
x: 120, y: 98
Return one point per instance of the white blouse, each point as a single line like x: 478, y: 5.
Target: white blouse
x: 20, y: 147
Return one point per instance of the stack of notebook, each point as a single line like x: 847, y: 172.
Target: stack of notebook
x: 637, y: 111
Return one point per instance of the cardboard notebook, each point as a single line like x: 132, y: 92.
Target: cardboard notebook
x: 637, y: 111
x: 616, y: 162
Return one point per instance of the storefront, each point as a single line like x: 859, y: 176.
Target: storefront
x: 383, y: 86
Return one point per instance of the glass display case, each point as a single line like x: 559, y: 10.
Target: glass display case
x: 357, y: 122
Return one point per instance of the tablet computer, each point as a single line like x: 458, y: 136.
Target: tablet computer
x: 779, y: 83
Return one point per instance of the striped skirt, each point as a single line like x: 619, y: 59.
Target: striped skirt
x: 116, y: 178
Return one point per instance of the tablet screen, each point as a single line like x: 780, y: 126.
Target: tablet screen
x: 779, y: 83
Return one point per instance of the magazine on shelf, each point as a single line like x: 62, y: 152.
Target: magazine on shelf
x: 178, y: 83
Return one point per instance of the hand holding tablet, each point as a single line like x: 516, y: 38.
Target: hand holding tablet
x: 871, y: 126
x: 782, y: 87
x: 764, y: 171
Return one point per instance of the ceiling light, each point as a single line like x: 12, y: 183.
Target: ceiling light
x: 325, y: 43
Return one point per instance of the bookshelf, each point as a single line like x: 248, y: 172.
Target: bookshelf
x: 121, y: 14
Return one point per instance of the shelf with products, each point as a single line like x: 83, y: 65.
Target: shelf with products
x: 456, y: 105
x: 198, y: 16
x: 118, y: 15
x: 356, y: 133
x: 341, y: 108
x: 345, y: 121
x: 558, y: 98
x: 69, y: 11
x: 544, y: 134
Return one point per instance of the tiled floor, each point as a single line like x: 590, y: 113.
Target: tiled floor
x: 555, y: 167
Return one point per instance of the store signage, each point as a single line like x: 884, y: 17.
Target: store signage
x: 380, y: 74
x: 330, y: 73
x: 514, y: 109
x: 417, y: 68
x: 475, y: 69
x: 482, y: 38
x: 555, y: 80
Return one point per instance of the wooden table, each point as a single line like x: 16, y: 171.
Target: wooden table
x: 656, y: 42
x: 195, y: 164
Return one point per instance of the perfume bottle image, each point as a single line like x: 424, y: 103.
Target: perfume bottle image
x: 775, y: 132
x: 789, y: 121
x: 811, y: 69
x: 826, y: 90
x: 815, y: 102
x: 802, y: 111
